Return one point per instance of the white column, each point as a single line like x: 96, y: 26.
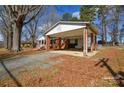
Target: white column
x: 85, y: 42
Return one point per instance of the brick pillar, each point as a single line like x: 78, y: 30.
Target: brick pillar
x: 59, y: 43
x: 95, y: 45
x: 85, y: 42
x: 56, y: 43
x: 91, y: 42
x: 66, y: 43
x: 47, y: 42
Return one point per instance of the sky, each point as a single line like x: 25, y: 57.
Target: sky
x: 67, y: 8
x: 61, y: 9
x: 74, y: 10
x: 1, y: 38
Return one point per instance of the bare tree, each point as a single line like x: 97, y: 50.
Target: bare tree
x: 4, y: 32
x: 25, y: 35
x: 102, y: 15
x: 5, y: 36
x: 115, y: 13
x: 6, y: 29
x: 50, y: 17
x: 32, y: 28
x: 19, y: 15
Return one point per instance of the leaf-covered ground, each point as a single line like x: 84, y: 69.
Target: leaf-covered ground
x: 4, y: 53
x: 106, y: 68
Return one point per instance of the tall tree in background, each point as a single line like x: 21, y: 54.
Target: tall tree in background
x: 4, y: 32
x: 66, y: 17
x: 6, y: 28
x: 116, y: 10
x: 53, y: 15
x: 69, y: 17
x: 49, y: 18
x: 32, y: 29
x: 25, y: 37
x: 88, y: 13
x: 75, y: 19
x: 121, y: 34
x: 115, y: 20
x: 19, y: 15
x: 102, y: 16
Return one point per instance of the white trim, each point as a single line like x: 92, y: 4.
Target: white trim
x: 60, y: 28
x: 86, y: 41
x: 85, y: 49
x: 66, y: 22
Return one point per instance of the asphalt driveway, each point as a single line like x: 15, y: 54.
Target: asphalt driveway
x: 20, y: 63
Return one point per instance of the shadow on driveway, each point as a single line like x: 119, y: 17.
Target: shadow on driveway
x: 10, y: 74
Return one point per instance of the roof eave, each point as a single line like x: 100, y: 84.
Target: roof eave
x: 66, y: 22
x: 72, y: 22
x: 93, y: 28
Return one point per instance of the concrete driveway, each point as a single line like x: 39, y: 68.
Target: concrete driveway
x: 20, y: 63
x: 27, y: 62
x: 76, y: 53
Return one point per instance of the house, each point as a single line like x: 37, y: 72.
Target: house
x: 41, y: 42
x: 71, y: 34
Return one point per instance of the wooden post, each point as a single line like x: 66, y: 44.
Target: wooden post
x: 95, y: 45
x: 91, y: 42
x: 85, y: 42
x: 47, y: 42
x: 59, y: 42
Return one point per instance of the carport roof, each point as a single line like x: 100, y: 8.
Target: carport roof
x: 79, y: 23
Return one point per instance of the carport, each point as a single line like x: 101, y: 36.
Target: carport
x: 69, y: 34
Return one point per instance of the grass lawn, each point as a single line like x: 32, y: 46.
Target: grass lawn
x: 100, y: 70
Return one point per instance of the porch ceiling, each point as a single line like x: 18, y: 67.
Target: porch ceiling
x: 70, y: 33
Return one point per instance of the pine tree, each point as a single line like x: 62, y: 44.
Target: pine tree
x: 87, y: 13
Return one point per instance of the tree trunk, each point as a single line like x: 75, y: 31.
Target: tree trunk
x: 6, y: 41
x: 105, y: 34
x: 32, y: 42
x: 102, y: 32
x: 5, y: 38
x: 16, y: 37
x: 10, y: 35
x: 9, y: 41
x: 116, y: 31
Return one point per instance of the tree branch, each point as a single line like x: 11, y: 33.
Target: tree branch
x: 33, y: 17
